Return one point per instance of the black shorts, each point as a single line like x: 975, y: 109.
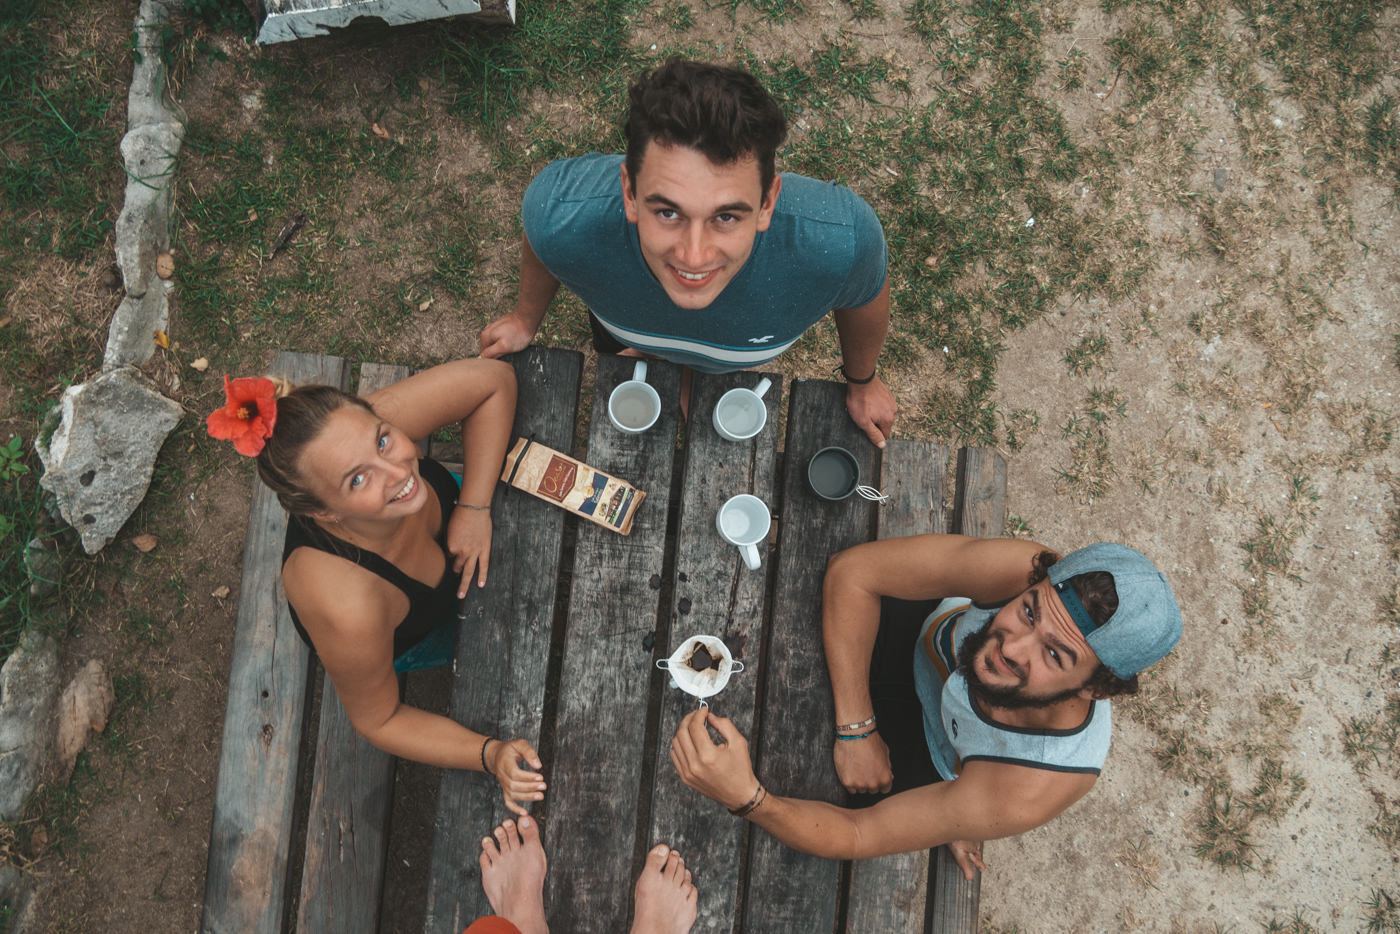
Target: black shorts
x: 897, y: 707
x: 603, y: 341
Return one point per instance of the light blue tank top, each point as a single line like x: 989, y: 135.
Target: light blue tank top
x: 958, y: 732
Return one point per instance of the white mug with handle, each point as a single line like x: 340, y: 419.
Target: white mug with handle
x: 634, y: 406
x: 740, y: 413
x: 743, y: 521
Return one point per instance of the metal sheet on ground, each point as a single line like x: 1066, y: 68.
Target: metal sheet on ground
x: 246, y: 881
x: 503, y: 643
x: 606, y: 677
x: 790, y: 891
x: 715, y: 594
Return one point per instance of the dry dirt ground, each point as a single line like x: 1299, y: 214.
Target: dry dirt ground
x: 1232, y: 415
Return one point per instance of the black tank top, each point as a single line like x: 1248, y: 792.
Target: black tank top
x: 427, y: 606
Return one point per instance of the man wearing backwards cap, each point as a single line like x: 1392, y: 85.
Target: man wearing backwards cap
x: 1008, y: 691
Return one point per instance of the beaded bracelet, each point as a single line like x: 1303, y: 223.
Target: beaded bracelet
x: 846, y: 728
x: 759, y: 796
x: 857, y: 736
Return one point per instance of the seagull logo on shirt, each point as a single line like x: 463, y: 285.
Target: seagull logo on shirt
x: 954, y: 721
x: 762, y: 340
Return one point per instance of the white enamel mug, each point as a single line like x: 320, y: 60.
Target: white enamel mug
x: 634, y: 405
x: 743, y: 521
x: 740, y: 413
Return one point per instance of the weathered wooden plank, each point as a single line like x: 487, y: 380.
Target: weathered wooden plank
x: 246, y: 881
x: 714, y: 593
x: 978, y: 509
x: 889, y: 893
x: 607, y: 671
x: 347, y: 826
x: 790, y: 891
x: 503, y: 645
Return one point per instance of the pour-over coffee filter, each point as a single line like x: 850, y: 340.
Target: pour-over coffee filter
x: 701, y: 666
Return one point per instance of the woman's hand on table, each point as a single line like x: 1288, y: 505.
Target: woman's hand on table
x: 863, y: 765
x: 469, y: 540
x: 504, y: 759
x: 967, y: 854
x: 719, y: 771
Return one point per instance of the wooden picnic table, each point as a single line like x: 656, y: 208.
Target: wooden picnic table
x: 560, y: 647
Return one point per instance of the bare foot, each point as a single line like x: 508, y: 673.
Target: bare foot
x: 512, y: 873
x: 666, y: 900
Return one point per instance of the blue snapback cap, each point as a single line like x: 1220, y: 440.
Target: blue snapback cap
x: 1146, y: 625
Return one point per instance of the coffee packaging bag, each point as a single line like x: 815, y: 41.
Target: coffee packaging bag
x: 572, y: 484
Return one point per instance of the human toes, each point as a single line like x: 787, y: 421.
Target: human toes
x: 505, y: 833
x: 656, y: 858
x: 675, y: 867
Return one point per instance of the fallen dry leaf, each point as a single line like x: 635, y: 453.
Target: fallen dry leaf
x: 252, y: 214
x: 38, y: 842
x: 162, y: 340
x: 379, y: 131
x: 165, y: 265
x: 425, y: 305
x: 220, y: 593
x: 200, y: 364
x: 144, y: 542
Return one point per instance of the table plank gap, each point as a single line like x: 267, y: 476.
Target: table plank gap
x: 713, y: 594
x: 606, y: 676
x: 788, y: 891
x: 347, y: 829
x: 247, y: 884
x: 979, y: 509
x: 503, y: 645
x: 890, y: 893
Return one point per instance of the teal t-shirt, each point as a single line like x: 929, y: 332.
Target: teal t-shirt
x: 824, y: 249
x: 956, y: 729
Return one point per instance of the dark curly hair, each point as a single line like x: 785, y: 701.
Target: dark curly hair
x: 722, y: 112
x: 1100, y: 598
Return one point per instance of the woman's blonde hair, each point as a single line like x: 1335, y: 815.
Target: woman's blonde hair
x: 301, y: 415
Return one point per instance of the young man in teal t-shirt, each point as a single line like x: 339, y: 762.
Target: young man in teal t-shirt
x: 694, y: 249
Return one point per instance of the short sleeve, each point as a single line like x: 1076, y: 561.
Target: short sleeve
x: 869, y: 264
x: 534, y: 208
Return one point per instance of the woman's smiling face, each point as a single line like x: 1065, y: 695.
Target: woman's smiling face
x: 360, y: 466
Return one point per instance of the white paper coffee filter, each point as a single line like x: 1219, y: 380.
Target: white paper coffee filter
x: 705, y: 683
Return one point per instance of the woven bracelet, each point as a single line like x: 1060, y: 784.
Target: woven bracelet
x: 461, y: 505
x: 759, y: 795
x: 857, y: 736
x: 848, y: 727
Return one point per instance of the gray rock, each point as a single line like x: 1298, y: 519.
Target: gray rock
x: 130, y: 339
x: 43, y: 568
x: 28, y: 698
x: 143, y: 227
x: 1221, y: 177
x: 148, y: 100
x: 98, y: 459
x: 9, y: 883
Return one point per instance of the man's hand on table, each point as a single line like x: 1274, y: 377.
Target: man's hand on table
x: 721, y: 772
x: 507, y: 334
x: 863, y: 765
x: 872, y: 408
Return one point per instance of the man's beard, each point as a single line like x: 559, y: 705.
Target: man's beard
x: 1008, y: 698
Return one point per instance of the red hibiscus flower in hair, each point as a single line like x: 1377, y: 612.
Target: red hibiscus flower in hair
x: 248, y: 416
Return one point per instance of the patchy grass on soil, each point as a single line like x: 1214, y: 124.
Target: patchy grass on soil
x: 1172, y: 200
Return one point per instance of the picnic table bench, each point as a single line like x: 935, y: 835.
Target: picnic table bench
x: 560, y: 648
